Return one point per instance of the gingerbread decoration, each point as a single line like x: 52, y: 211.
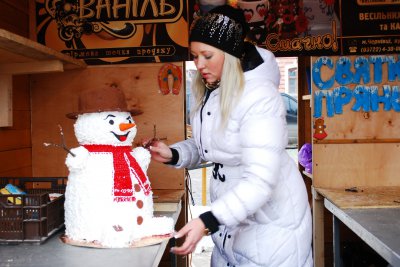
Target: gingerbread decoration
x: 319, y: 129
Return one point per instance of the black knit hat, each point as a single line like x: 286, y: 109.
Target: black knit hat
x: 223, y: 27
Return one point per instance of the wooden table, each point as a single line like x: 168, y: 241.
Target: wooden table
x: 371, y: 213
x: 55, y: 253
x: 378, y: 227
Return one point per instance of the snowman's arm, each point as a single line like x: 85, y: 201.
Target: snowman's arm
x: 142, y: 157
x: 79, y: 161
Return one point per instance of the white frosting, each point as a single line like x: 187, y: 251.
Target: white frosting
x: 91, y: 214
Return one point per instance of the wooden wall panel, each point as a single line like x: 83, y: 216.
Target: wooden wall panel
x: 304, y: 106
x: 350, y: 125
x: 5, y: 100
x: 360, y: 125
x: 21, y: 93
x: 21, y: 5
x: 15, y: 141
x: 16, y: 162
x: 54, y: 95
x: 19, y: 172
x: 361, y: 147
x: 348, y: 165
x: 304, y: 115
x: 21, y: 120
x: 14, y: 16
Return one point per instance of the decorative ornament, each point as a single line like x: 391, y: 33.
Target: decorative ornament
x: 319, y: 126
x: 305, y: 157
x: 255, y: 12
x: 170, y: 79
x: 287, y: 18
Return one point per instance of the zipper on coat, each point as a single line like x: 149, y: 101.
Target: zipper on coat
x: 206, y: 97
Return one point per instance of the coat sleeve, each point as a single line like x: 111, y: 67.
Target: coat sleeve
x: 188, y: 154
x: 263, y: 138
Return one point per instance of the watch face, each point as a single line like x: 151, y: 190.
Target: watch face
x: 207, y: 231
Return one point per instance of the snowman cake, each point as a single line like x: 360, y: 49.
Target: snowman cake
x: 108, y: 199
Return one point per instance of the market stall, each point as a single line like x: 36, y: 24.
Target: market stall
x: 349, y: 108
x: 355, y: 145
x: 39, y: 86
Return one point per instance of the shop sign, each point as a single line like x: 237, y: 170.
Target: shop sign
x: 294, y: 28
x: 141, y: 31
x: 359, y: 83
x: 324, y: 27
x: 370, y: 26
x: 111, y: 31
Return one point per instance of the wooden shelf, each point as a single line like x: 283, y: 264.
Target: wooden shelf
x: 19, y: 55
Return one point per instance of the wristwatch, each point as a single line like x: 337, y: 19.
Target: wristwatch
x: 207, y: 231
x: 211, y: 223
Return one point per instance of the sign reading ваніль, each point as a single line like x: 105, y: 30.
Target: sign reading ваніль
x: 111, y: 32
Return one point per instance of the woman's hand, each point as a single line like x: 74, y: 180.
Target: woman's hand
x: 159, y: 151
x: 194, y: 232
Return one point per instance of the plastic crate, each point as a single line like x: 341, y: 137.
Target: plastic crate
x: 31, y: 217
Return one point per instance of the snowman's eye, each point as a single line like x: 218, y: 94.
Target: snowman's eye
x: 109, y: 117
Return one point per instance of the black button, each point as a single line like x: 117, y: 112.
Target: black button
x: 209, y: 113
x: 206, y: 151
x: 229, y: 236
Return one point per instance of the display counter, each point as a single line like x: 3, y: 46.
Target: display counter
x: 370, y: 213
x: 55, y: 253
x: 377, y: 227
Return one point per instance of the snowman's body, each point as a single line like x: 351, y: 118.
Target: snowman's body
x: 108, y: 197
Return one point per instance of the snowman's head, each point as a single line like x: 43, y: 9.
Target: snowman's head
x: 105, y: 128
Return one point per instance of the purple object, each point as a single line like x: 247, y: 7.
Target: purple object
x: 305, y: 157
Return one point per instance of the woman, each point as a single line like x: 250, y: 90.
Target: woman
x: 259, y: 214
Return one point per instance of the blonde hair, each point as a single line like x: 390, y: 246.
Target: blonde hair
x: 231, y: 88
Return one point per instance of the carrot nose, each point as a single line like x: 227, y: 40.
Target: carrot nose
x: 126, y: 126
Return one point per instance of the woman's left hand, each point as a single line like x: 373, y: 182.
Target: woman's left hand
x: 194, y: 232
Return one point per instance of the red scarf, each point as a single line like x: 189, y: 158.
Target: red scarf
x: 124, y: 165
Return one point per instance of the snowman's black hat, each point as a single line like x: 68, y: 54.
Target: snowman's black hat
x: 109, y: 98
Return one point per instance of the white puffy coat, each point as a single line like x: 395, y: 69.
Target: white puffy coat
x: 257, y: 192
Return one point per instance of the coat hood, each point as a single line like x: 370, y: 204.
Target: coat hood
x: 267, y: 71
